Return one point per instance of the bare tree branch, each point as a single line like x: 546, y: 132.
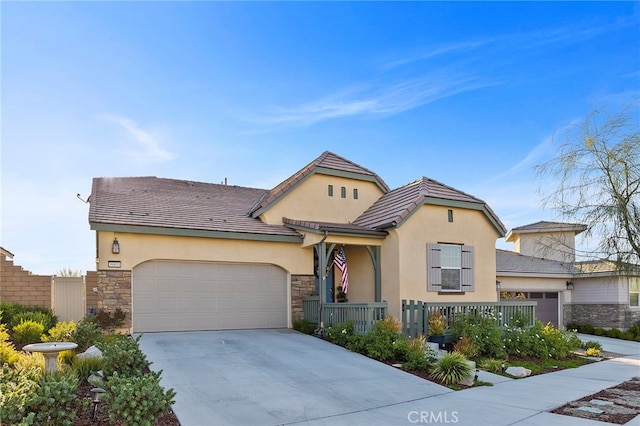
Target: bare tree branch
x: 597, y: 182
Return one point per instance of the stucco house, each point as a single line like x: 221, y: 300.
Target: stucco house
x: 543, y: 268
x: 182, y: 255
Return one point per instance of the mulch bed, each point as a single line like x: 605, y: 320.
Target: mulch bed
x: 625, y: 398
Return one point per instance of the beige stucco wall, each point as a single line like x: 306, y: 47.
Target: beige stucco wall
x: 138, y: 248
x: 548, y: 245
x: 430, y: 224
x: 310, y: 201
x: 361, y: 274
x: 390, y: 271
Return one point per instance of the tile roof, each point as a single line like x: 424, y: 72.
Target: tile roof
x: 169, y: 203
x: 326, y: 162
x: 395, y: 206
x: 512, y: 262
x: 332, y: 227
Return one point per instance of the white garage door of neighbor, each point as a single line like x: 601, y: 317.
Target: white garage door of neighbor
x: 188, y: 296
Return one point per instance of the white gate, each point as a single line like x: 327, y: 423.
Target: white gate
x: 68, y: 298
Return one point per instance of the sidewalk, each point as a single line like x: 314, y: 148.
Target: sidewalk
x: 522, y: 402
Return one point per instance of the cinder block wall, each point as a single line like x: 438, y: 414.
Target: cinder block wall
x: 20, y: 286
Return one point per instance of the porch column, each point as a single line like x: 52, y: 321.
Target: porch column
x: 323, y: 261
x: 374, y: 253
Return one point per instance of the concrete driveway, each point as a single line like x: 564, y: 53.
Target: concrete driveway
x: 273, y: 377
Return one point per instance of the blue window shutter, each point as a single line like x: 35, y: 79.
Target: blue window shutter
x: 434, y: 276
x: 467, y: 275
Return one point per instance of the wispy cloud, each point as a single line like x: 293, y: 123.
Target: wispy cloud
x: 433, y: 52
x: 376, y: 99
x: 145, y: 144
x: 538, y: 152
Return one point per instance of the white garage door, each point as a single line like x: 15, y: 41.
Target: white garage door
x: 184, y: 296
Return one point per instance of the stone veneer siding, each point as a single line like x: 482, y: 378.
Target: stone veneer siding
x: 114, y: 291
x: 601, y: 315
x: 301, y: 286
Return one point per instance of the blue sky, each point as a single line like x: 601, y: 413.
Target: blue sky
x: 470, y: 94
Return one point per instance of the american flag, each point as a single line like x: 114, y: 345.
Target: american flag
x: 341, y: 262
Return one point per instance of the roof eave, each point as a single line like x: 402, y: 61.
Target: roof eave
x: 183, y: 232
x: 482, y: 207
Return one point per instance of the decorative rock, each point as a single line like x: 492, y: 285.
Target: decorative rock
x: 396, y: 365
x: 434, y: 346
x: 591, y: 410
x: 91, y: 352
x: 468, y: 381
x: 518, y: 371
x: 96, y: 379
x: 600, y: 402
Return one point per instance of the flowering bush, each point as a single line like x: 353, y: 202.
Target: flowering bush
x: 483, y: 331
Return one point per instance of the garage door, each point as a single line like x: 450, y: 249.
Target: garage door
x: 185, y: 296
x: 547, y: 309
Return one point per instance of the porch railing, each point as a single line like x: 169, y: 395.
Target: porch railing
x: 363, y: 315
x: 415, y: 314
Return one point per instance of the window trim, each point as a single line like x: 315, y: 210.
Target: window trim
x: 637, y: 281
x: 467, y: 264
x: 452, y: 268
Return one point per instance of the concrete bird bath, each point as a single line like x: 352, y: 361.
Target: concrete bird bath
x: 50, y: 350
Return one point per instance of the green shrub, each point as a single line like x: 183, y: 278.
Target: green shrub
x: 304, y: 326
x: 44, y: 316
x: 56, y: 400
x: 599, y: 331
x: 84, y: 367
x: 586, y: 329
x: 591, y: 344
x: 137, y: 400
x: 573, y: 326
x: 61, y: 332
x: 493, y: 365
x: 484, y: 331
x: 18, y: 394
x: 452, y: 368
x: 466, y: 347
x: 87, y: 334
x: 110, y: 320
x: 635, y: 331
x: 28, y: 332
x: 415, y: 355
x: 614, y: 333
x: 339, y: 334
x: 9, y: 310
x: 519, y: 319
x: 124, y: 356
x: 8, y: 353
x: 28, y: 361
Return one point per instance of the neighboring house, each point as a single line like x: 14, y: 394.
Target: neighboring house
x: 543, y: 268
x: 182, y: 255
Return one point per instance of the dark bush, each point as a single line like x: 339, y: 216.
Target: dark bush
x: 304, y: 326
x: 615, y: 333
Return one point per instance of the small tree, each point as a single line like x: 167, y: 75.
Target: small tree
x: 597, y: 171
x: 68, y: 272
